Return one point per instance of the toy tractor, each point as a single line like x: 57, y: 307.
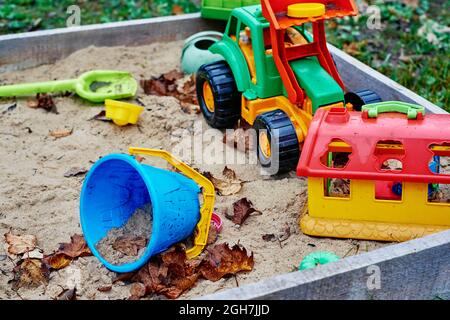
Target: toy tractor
x: 275, y: 75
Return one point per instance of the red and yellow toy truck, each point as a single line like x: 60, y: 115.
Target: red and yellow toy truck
x: 374, y: 174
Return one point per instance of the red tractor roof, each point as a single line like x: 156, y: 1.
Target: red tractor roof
x: 275, y: 11
x: 372, y: 141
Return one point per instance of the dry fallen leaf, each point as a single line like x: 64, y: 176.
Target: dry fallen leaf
x: 285, y: 233
x: 169, y: 274
x: 76, y: 248
x: 242, y: 210
x: 101, y: 117
x: 57, y: 261
x: 166, y: 85
x: 30, y: 273
x: 68, y: 252
x: 35, y: 254
x: 61, y: 133
x: 130, y: 245
x: 223, y: 260
x: 137, y: 291
x: 270, y: 237
x: 228, y: 186
x: 68, y: 295
x: 75, y: 171
x: 241, y: 137
x: 104, y: 289
x: 43, y: 101
x: 340, y: 188
x: 124, y: 277
x: 213, y: 235
x: 20, y: 244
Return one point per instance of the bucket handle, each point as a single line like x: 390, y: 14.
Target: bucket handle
x: 206, y: 211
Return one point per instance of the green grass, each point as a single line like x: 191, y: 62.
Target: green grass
x: 412, y: 48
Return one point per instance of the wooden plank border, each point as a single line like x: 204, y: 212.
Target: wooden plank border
x: 418, y: 269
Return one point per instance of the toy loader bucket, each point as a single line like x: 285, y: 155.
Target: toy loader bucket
x: 118, y: 184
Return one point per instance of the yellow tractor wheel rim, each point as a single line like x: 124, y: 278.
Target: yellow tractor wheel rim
x: 306, y: 10
x: 264, y: 144
x: 208, y: 96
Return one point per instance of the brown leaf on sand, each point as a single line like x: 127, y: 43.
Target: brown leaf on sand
x: 57, y: 261
x: 137, y: 291
x: 228, y: 186
x: 68, y: 252
x: 166, y: 85
x: 104, y: 289
x: 189, y: 92
x: 242, y: 210
x: 43, y: 101
x: 285, y: 233
x: 76, y: 248
x: 75, y: 171
x: 173, y: 75
x: 130, y: 245
x: 68, y: 295
x: 61, y: 133
x: 213, y: 235
x: 190, y: 108
x: 30, y: 273
x: 20, y: 244
x: 241, y: 137
x: 270, y: 237
x: 223, y: 260
x: 101, y: 117
x: 169, y: 274
x: 124, y: 277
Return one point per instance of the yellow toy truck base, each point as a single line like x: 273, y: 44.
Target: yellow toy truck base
x: 365, y: 230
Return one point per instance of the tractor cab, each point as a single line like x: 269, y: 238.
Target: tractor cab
x: 260, y: 75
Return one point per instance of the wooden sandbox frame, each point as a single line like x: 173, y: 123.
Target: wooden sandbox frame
x: 418, y: 269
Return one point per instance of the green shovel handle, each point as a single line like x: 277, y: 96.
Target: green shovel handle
x: 411, y: 110
x: 38, y: 87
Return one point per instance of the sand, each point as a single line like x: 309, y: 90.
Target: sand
x: 139, y: 225
x: 36, y: 198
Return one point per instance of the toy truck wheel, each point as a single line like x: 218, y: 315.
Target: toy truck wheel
x: 360, y: 98
x: 218, y: 96
x: 278, y: 146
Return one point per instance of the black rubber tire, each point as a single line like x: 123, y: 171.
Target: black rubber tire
x: 282, y: 137
x: 227, y: 98
x: 360, y: 98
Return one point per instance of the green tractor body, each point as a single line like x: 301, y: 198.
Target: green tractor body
x: 275, y: 75
x: 320, y: 87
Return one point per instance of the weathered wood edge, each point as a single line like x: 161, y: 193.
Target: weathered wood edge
x: 418, y: 269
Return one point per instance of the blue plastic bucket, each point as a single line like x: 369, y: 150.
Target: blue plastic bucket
x: 117, y: 185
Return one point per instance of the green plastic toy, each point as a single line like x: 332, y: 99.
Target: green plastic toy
x: 411, y: 110
x: 221, y: 9
x: 95, y: 86
x: 317, y: 258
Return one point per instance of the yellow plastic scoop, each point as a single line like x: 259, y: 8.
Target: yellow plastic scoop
x: 122, y: 113
x: 306, y: 10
